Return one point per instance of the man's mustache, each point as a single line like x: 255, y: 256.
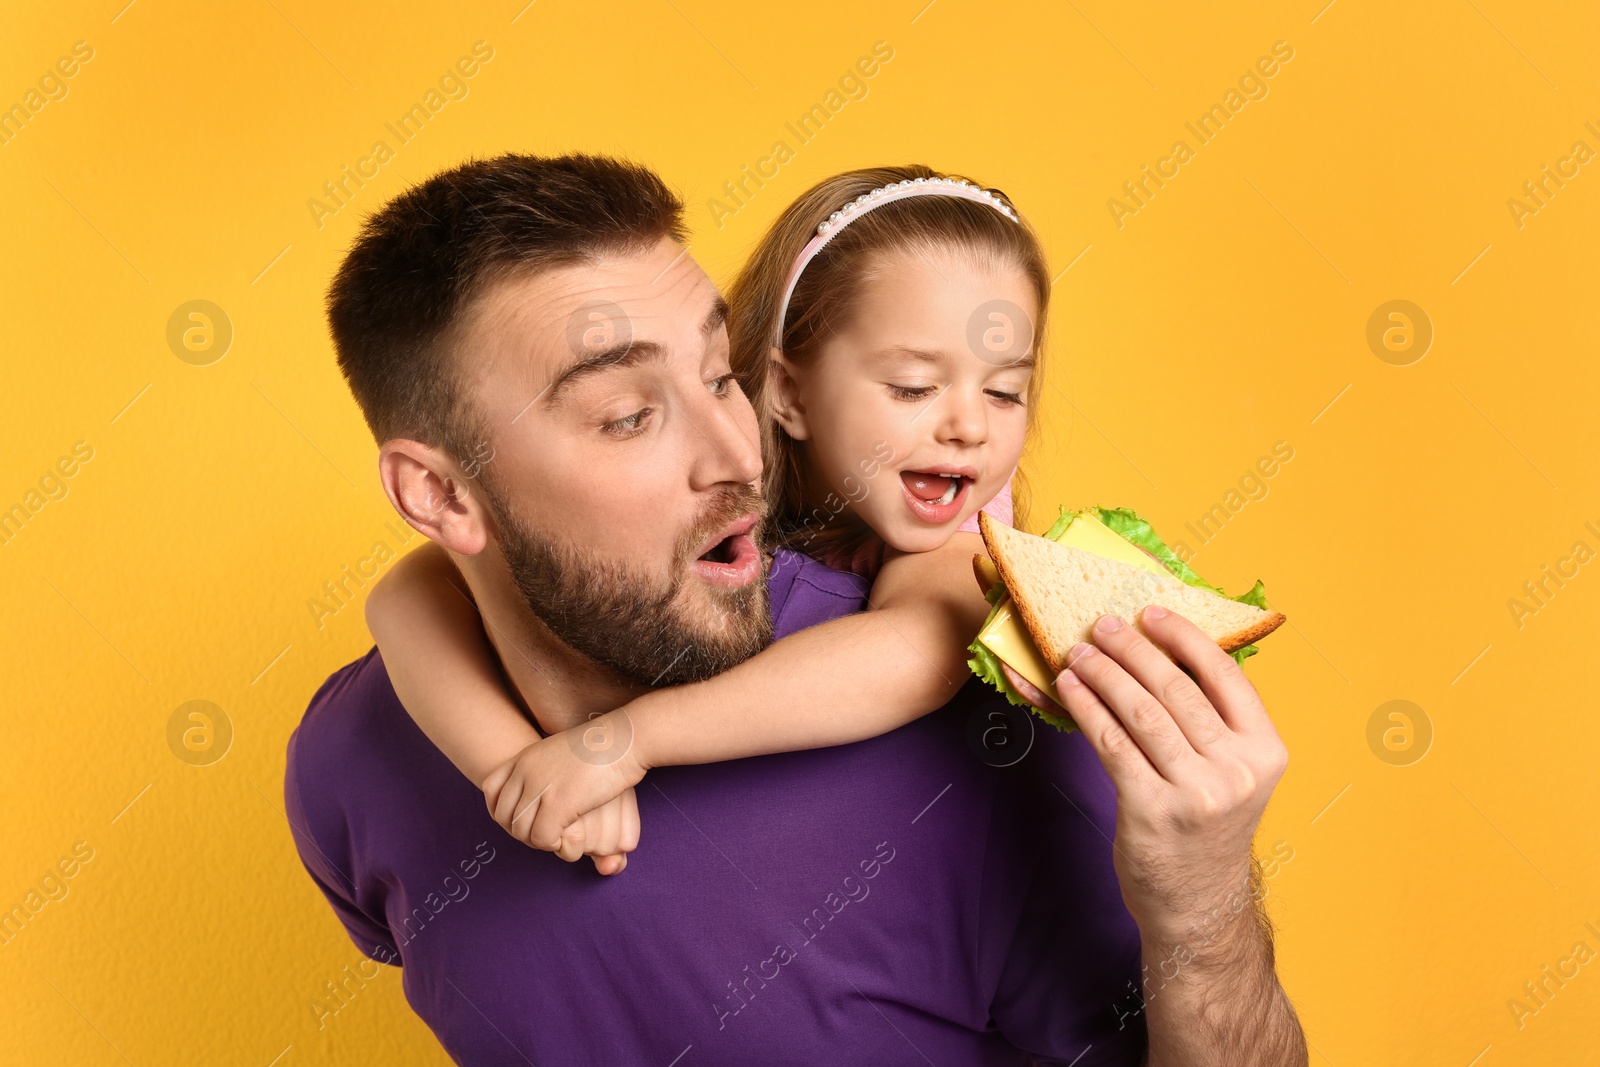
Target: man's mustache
x: 732, y: 502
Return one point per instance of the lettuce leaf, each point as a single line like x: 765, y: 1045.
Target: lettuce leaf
x: 1059, y: 527
x: 986, y: 665
x: 1127, y: 524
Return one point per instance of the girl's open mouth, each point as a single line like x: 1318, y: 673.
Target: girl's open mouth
x: 937, y: 496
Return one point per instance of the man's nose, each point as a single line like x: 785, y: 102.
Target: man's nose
x: 726, y: 441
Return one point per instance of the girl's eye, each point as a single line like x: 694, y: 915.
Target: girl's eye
x: 629, y: 426
x: 722, y: 386
x: 912, y: 392
x: 1005, y: 397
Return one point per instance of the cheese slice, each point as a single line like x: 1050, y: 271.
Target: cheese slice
x: 1008, y: 638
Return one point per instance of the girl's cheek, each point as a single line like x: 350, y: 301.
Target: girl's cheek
x: 862, y: 435
x: 1017, y: 439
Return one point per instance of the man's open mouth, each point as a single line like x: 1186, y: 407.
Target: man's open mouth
x: 721, y: 552
x: 730, y: 557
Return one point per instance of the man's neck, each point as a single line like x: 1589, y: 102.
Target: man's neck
x: 557, y: 685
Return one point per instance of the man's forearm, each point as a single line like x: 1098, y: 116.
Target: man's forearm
x: 1213, y: 998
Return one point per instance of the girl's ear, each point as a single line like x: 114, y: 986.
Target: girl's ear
x: 784, y: 391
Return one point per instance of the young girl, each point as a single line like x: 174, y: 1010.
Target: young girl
x: 886, y: 331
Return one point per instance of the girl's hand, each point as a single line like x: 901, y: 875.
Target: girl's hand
x: 569, y: 795
x: 1032, y: 693
x: 867, y: 558
x: 606, y: 834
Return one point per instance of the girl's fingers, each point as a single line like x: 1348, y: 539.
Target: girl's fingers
x: 491, y: 799
x: 1032, y: 693
x: 493, y: 784
x: 610, y: 828
x: 506, y: 804
x: 571, y: 845
x: 608, y: 858
x: 551, y: 822
x: 630, y: 822
x: 522, y: 821
x: 610, y: 864
x: 588, y: 832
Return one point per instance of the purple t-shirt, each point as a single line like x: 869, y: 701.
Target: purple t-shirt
x: 899, y: 900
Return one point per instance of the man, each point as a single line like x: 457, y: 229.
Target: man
x: 899, y: 900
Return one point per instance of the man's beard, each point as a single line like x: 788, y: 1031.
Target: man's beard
x: 629, y: 621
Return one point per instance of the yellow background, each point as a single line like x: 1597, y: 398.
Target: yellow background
x: 1228, y: 314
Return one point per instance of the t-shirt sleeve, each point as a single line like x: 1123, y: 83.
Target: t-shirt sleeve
x: 330, y: 868
x: 1068, y: 992
x: 998, y: 508
x: 803, y: 592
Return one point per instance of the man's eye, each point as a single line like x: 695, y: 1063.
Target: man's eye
x: 912, y: 392
x: 629, y: 426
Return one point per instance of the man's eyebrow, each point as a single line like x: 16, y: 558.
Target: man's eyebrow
x: 626, y: 354
x: 623, y: 354
x: 715, y: 318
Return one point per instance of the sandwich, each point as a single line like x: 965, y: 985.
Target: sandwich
x: 1046, y: 593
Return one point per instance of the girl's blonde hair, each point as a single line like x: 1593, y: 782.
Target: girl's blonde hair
x: 824, y: 300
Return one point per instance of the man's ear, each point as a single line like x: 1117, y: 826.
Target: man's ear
x: 784, y: 397
x: 433, y: 496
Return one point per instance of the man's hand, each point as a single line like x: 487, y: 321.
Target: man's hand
x: 1193, y: 765
x: 563, y: 795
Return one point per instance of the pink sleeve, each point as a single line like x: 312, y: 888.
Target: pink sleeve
x: 998, y: 508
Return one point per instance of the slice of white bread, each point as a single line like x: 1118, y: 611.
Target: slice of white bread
x: 1060, y: 591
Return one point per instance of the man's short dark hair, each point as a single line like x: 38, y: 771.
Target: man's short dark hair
x: 422, y: 260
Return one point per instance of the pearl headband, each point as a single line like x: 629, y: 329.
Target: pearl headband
x: 864, y: 203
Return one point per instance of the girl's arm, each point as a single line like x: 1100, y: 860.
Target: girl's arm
x: 844, y: 680
x: 840, y: 681
x: 439, y: 661
x: 427, y: 627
